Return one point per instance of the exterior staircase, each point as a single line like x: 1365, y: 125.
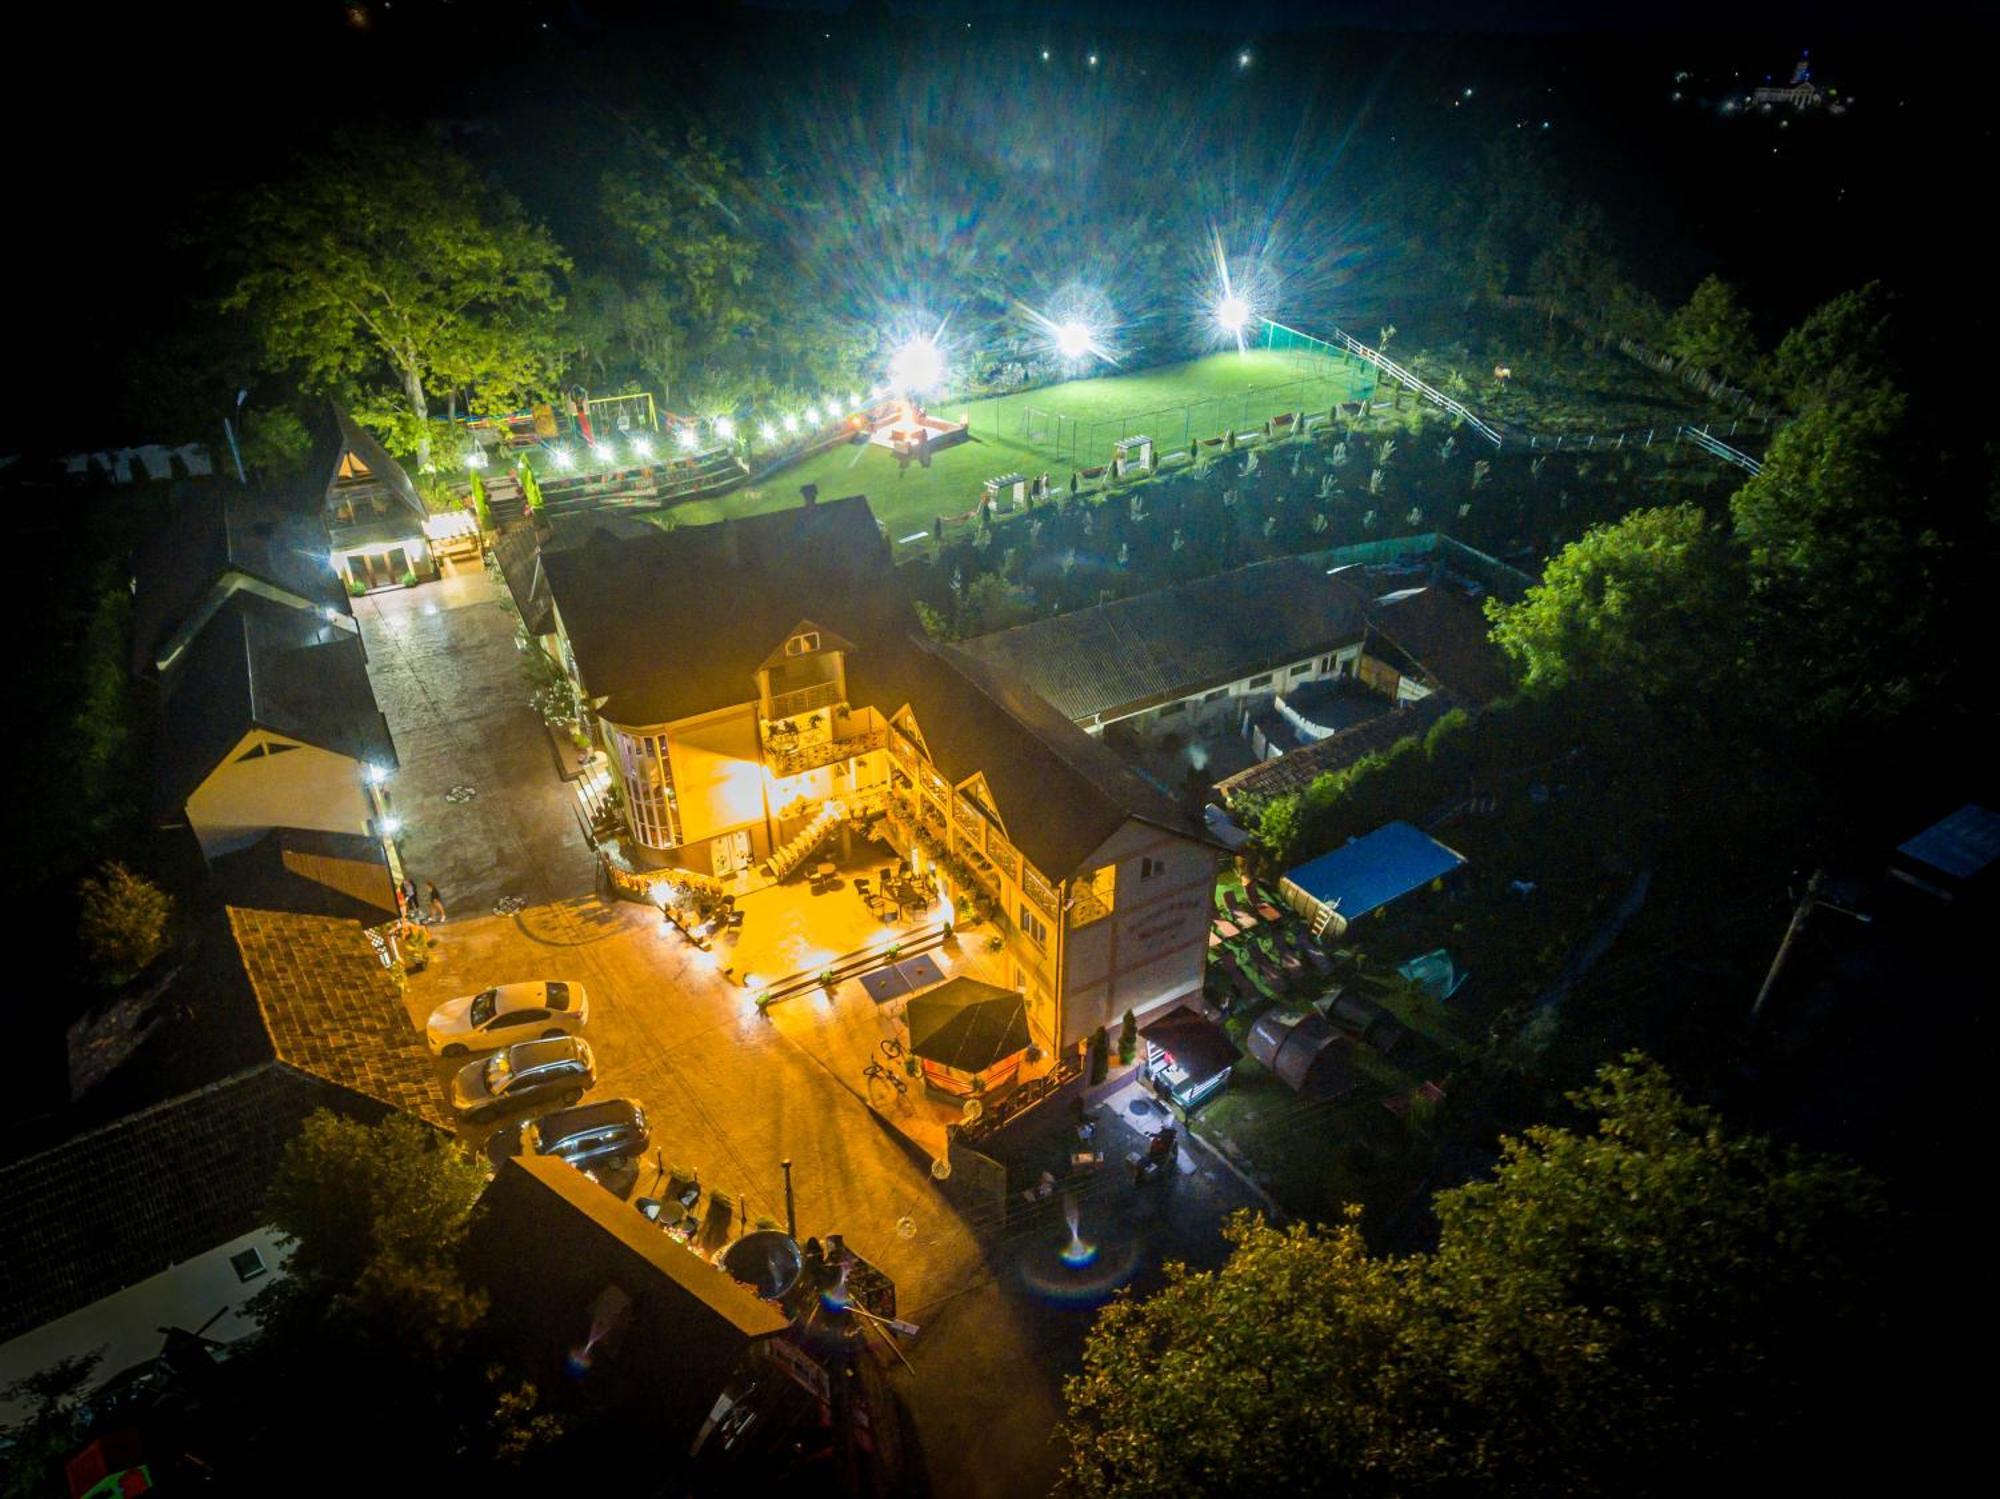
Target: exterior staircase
x: 807, y: 843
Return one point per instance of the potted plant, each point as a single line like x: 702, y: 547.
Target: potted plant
x: 1128, y: 1039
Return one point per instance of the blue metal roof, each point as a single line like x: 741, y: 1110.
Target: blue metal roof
x: 1960, y: 845
x: 1375, y: 869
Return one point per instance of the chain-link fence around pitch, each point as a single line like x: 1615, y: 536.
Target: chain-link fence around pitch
x: 1084, y: 442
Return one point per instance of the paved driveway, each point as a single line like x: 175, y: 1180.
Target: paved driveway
x: 450, y: 681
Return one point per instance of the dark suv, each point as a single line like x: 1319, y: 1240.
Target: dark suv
x: 595, y: 1134
x: 558, y: 1071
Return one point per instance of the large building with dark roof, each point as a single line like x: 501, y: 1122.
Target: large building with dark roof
x: 750, y: 678
x: 142, y: 1208
x: 1221, y: 639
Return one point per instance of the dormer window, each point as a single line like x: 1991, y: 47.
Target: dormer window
x: 802, y: 644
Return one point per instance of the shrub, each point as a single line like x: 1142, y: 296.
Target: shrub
x: 123, y: 920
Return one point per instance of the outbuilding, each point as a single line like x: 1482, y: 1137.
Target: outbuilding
x: 1188, y: 1056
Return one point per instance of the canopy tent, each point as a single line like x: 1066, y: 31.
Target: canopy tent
x: 968, y: 1036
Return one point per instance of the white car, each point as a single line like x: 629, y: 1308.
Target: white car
x: 500, y: 1016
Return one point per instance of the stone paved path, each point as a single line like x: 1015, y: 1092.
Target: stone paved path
x: 450, y: 680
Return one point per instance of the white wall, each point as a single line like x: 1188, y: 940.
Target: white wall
x: 303, y: 787
x: 1153, y: 948
x: 126, y: 1324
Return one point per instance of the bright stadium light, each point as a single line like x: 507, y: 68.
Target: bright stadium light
x: 766, y: 431
x: 853, y: 402
x: 1073, y: 339
x: 791, y: 423
x: 917, y: 366
x: 725, y: 429
x: 604, y: 452
x: 812, y: 416
x: 1231, y: 313
x: 564, y: 458
x: 643, y: 446
x: 688, y: 439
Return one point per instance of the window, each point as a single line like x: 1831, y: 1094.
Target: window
x: 558, y: 995
x: 1326, y: 663
x: 255, y: 752
x: 1263, y: 681
x: 1216, y: 696
x: 1173, y: 710
x: 1151, y: 868
x: 483, y: 1005
x: 278, y: 749
x: 802, y: 644
x: 248, y: 1264
x: 1036, y: 929
x: 1093, y: 897
x: 1302, y: 668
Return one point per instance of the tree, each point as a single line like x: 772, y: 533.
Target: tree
x: 388, y: 257
x: 1640, y: 606
x: 1840, y: 352
x: 372, y: 1307
x: 1841, y: 554
x: 55, y: 1424
x: 347, y: 1195
x: 686, y: 303
x: 1713, y: 331
x: 122, y: 920
x: 1649, y: 1306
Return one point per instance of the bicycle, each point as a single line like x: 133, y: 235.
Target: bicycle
x: 877, y: 1070
x: 892, y: 1048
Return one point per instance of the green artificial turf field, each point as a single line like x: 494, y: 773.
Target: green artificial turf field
x: 1203, y: 396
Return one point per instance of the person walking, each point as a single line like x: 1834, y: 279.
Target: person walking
x: 434, y: 901
x: 407, y: 894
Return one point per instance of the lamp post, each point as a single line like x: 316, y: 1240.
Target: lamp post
x: 791, y: 1218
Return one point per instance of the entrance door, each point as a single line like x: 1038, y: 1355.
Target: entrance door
x: 729, y: 853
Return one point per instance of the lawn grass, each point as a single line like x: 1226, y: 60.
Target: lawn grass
x: 1211, y: 395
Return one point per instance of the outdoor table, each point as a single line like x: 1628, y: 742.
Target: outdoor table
x: 1087, y: 1158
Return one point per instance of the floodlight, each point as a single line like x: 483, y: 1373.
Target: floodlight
x: 853, y: 401
x: 392, y: 826
x: 605, y: 452
x: 376, y: 775
x: 766, y: 431
x: 1243, y: 59
x: 725, y: 429
x: 1232, y: 312
x: 476, y: 458
x: 1073, y: 340
x: 812, y: 416
x: 643, y: 446
x: 917, y: 366
x: 1093, y: 59
x: 791, y: 423
x: 688, y: 439
x: 564, y: 458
